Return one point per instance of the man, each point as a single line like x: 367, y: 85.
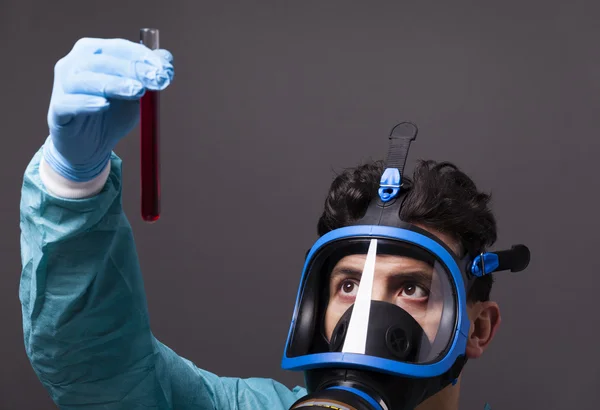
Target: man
x: 85, y: 320
x: 446, y: 203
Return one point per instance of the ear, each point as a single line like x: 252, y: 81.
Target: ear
x: 485, y: 320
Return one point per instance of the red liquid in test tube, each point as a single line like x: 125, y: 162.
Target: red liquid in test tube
x: 149, y: 141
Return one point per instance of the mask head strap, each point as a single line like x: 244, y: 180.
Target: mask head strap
x: 515, y: 259
x: 385, y: 207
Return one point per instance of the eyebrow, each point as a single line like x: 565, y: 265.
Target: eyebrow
x: 418, y: 273
x: 346, y: 271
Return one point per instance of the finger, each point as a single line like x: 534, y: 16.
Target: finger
x: 149, y: 75
x: 165, y: 54
x: 65, y: 107
x: 120, y: 48
x: 103, y: 85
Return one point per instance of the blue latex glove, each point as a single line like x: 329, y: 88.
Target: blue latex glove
x: 95, y: 101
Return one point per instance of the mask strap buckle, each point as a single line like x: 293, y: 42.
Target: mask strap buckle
x: 482, y: 258
x: 400, y: 138
x: 515, y: 259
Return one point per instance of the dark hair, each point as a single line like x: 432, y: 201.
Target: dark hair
x: 440, y: 197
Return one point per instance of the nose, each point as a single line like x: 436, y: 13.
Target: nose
x: 382, y: 292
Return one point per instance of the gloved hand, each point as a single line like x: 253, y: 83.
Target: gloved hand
x: 95, y: 101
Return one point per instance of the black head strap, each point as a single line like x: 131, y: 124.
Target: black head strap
x: 384, y: 209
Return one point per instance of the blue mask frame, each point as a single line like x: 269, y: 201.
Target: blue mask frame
x: 359, y: 361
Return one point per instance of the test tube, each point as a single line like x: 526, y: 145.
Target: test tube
x: 149, y: 141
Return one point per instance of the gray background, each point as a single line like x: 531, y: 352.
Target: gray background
x: 270, y: 100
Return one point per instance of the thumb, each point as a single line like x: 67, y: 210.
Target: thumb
x: 67, y: 106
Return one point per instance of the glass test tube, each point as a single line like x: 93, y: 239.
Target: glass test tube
x: 149, y: 141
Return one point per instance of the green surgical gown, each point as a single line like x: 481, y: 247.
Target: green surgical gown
x: 85, y: 319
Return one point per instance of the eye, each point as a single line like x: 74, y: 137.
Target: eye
x: 415, y: 291
x: 348, y: 288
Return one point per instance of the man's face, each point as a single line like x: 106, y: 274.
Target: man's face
x: 409, y: 283
x: 414, y: 286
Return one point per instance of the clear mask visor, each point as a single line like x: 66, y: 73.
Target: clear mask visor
x: 380, y: 298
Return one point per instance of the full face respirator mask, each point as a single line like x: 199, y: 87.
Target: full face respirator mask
x: 380, y: 320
